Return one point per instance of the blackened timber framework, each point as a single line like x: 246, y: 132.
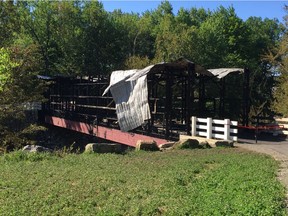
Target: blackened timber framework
x: 176, y: 91
x: 171, y: 96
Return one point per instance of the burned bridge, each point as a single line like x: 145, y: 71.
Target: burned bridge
x: 154, y: 103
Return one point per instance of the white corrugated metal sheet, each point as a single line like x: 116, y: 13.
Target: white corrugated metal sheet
x: 222, y: 72
x: 131, y: 99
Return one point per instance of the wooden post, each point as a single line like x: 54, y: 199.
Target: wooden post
x: 201, y: 101
x: 193, y: 125
x: 246, y: 104
x: 209, y: 128
x: 227, y: 129
x: 190, y: 95
x: 222, y: 97
x: 168, y: 102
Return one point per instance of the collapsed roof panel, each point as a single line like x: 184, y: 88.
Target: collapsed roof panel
x: 130, y: 92
x: 222, y: 72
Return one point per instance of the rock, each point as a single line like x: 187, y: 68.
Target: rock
x: 166, y: 146
x: 103, y: 147
x: 35, y: 148
x: 204, y: 144
x: 224, y: 143
x: 146, y: 145
x: 211, y: 142
x: 187, y: 143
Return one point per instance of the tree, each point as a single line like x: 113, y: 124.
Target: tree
x: 38, y: 19
x: 222, y: 37
x: 279, y: 59
x: 6, y: 66
x: 9, y: 22
x: 67, y: 33
x: 165, y: 40
x: 19, y: 85
x: 263, y: 36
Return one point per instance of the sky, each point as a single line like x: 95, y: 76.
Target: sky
x: 244, y: 9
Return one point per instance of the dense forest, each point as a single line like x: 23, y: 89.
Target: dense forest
x: 81, y: 38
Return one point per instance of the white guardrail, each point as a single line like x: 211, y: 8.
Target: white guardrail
x: 214, y: 128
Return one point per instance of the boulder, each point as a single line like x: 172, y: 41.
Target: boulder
x: 149, y: 145
x: 211, y: 142
x: 187, y: 144
x: 224, y: 143
x: 166, y: 146
x: 204, y: 144
x: 35, y: 148
x: 103, y: 147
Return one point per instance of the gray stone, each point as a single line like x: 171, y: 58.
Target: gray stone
x: 204, y: 144
x: 224, y: 143
x: 187, y: 144
x: 166, y: 146
x: 211, y: 142
x: 103, y: 147
x: 35, y: 148
x: 146, y: 145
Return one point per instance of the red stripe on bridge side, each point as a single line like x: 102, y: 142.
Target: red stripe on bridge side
x: 113, y: 135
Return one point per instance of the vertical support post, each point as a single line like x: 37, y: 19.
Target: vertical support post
x: 222, y: 97
x: 150, y: 95
x: 209, y: 128
x: 257, y: 129
x: 201, y: 101
x: 190, y: 95
x: 193, y: 125
x: 183, y: 103
x: 226, y: 129
x: 246, y: 105
x: 168, y: 103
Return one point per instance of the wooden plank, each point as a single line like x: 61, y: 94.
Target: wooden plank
x: 82, y: 96
x: 234, y: 130
x: 219, y: 129
x: 204, y: 127
x: 202, y: 120
x: 218, y: 136
x: 95, y: 107
x: 218, y: 121
x: 201, y: 133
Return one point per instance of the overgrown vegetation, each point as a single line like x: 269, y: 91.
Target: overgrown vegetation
x: 19, y: 86
x: 179, y: 182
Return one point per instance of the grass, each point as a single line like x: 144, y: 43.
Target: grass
x: 180, y: 182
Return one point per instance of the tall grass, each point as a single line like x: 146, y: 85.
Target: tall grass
x: 178, y: 182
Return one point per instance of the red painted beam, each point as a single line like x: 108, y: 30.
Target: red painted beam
x: 113, y: 135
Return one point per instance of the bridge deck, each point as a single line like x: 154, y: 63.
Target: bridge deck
x: 111, y: 134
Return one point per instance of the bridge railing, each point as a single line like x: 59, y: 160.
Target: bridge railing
x: 214, y: 128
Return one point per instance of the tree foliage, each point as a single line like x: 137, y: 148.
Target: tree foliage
x: 6, y: 66
x: 81, y: 38
x: 279, y: 59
